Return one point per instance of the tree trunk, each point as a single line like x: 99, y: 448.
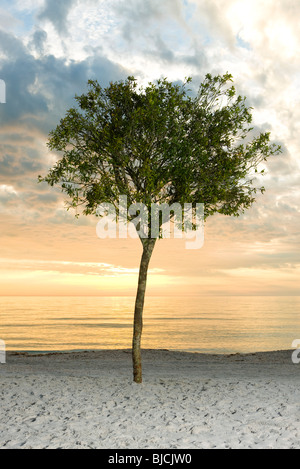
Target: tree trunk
x: 148, y: 246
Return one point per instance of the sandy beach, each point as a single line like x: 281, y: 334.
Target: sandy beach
x: 187, y: 400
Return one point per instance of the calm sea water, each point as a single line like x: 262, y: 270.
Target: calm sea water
x: 197, y: 324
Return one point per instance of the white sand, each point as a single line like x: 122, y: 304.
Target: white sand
x: 88, y: 400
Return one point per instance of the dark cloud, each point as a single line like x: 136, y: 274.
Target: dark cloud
x: 19, y: 71
x: 18, y: 162
x: 20, y: 75
x: 38, y: 41
x: 11, y: 46
x: 42, y: 89
x: 157, y: 49
x: 57, y: 12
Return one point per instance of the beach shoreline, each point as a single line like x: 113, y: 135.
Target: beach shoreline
x: 187, y: 400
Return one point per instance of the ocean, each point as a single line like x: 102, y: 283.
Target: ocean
x: 194, y: 324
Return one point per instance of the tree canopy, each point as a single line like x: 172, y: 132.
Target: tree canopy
x: 160, y: 144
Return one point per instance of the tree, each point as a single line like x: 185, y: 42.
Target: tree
x: 158, y: 144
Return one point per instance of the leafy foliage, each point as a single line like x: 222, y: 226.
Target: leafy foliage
x: 160, y: 145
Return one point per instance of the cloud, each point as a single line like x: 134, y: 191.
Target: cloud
x: 19, y: 71
x: 38, y: 41
x: 57, y: 12
x: 158, y: 34
x: 87, y: 268
x: 138, y: 15
x: 42, y: 89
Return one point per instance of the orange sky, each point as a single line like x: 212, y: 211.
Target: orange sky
x: 69, y: 259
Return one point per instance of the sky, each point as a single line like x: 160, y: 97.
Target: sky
x: 48, y: 51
